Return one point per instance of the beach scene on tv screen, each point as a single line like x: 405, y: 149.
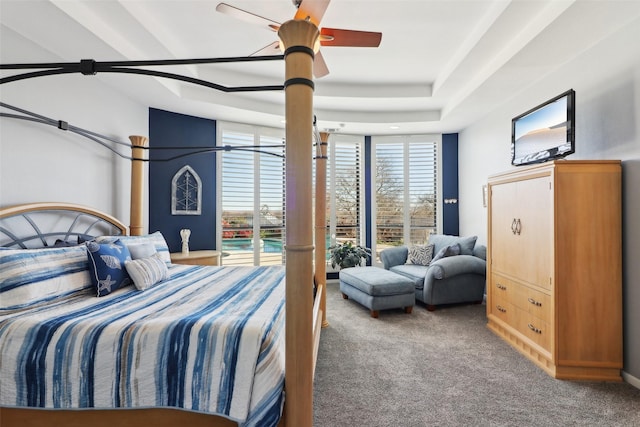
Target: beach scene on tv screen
x: 542, y: 130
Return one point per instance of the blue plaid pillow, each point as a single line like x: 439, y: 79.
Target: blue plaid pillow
x: 447, y: 251
x: 106, y: 265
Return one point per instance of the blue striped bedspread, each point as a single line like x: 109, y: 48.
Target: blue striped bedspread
x: 210, y: 339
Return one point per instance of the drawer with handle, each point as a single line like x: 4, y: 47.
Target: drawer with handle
x: 532, y: 327
x: 501, y: 287
x: 500, y: 308
x: 532, y: 301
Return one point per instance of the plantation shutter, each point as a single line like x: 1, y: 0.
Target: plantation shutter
x: 422, y: 190
x: 344, y: 188
x: 405, y: 190
x: 389, y: 193
x: 271, y: 186
x: 237, y: 199
x: 252, y: 203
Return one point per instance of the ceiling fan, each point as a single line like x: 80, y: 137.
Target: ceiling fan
x: 312, y: 10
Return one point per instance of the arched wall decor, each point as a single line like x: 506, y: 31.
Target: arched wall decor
x: 186, y: 192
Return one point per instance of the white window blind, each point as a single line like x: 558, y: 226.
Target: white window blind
x: 271, y: 185
x: 389, y: 193
x: 345, y: 189
x: 252, y: 197
x: 422, y: 190
x: 405, y: 190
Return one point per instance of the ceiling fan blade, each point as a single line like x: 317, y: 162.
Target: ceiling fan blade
x: 247, y: 16
x: 272, y: 49
x: 320, y: 68
x: 338, y: 37
x: 313, y: 10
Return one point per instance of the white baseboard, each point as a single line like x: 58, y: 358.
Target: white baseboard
x: 631, y: 379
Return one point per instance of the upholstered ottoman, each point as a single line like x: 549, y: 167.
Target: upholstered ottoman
x: 377, y: 289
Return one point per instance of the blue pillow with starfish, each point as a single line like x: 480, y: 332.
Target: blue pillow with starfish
x: 106, y: 265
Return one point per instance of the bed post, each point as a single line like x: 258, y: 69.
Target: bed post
x: 139, y: 143
x: 298, y: 38
x: 321, y: 223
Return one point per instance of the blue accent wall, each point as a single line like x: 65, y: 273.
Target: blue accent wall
x: 167, y: 129
x: 450, y: 214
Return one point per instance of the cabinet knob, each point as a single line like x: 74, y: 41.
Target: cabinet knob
x: 499, y: 286
x: 501, y: 308
x: 534, y: 329
x: 534, y: 302
x: 513, y: 226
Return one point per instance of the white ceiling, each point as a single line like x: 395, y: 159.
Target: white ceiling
x: 441, y: 65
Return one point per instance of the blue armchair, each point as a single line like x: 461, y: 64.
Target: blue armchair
x: 449, y: 280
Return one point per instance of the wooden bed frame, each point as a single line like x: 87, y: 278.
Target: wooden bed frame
x: 304, y: 316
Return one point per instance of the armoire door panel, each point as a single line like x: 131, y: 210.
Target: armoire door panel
x: 502, y: 223
x: 534, y: 230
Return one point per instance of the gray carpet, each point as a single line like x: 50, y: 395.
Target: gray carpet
x: 445, y: 368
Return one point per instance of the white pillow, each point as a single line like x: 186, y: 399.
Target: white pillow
x: 141, y: 250
x: 147, y: 272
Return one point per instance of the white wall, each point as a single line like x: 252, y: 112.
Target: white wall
x: 606, y: 79
x: 41, y: 163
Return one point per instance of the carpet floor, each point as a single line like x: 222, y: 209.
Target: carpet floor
x: 445, y: 368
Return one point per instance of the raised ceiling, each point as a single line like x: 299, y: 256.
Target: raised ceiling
x: 441, y: 65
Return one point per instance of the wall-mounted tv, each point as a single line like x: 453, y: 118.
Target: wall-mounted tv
x: 545, y: 132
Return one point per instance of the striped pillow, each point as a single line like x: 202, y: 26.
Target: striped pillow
x: 147, y: 272
x: 32, y: 276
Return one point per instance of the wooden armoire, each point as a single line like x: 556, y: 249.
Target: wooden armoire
x: 554, y: 266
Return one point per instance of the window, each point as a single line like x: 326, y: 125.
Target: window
x: 345, y: 189
x: 405, y: 190
x: 252, y: 192
x: 252, y: 196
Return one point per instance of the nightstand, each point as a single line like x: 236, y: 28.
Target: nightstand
x: 207, y: 257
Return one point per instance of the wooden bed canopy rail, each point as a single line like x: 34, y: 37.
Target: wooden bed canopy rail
x: 304, y: 317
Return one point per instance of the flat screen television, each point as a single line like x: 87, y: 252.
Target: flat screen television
x: 546, y: 132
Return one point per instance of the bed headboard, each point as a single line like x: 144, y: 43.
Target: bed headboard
x: 37, y: 225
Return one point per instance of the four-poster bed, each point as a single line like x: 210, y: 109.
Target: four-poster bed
x: 304, y: 318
